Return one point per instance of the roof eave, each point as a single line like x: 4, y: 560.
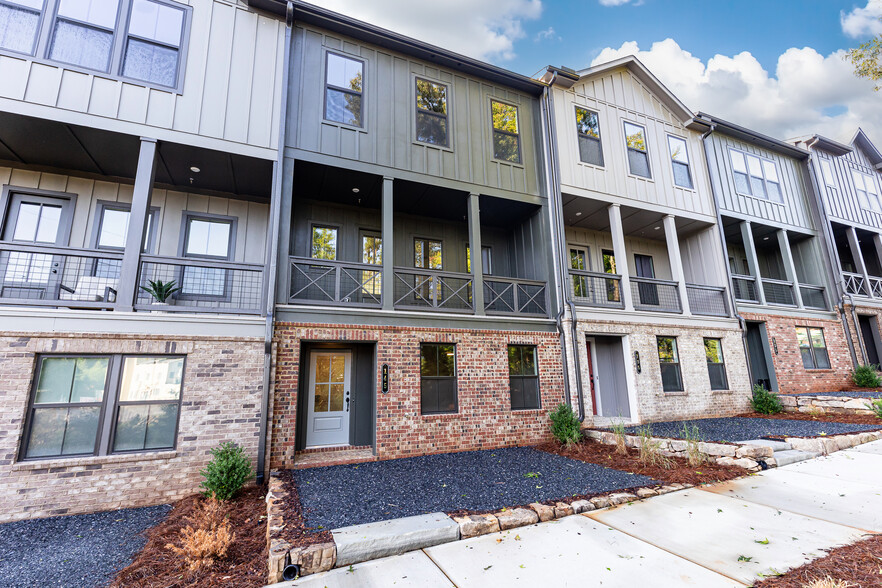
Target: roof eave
x: 752, y: 136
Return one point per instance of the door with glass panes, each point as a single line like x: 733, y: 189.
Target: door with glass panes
x: 328, y: 398
x: 427, y: 255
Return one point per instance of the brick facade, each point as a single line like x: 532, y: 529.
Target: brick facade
x: 853, y: 330
x: 221, y: 396
x: 484, y: 420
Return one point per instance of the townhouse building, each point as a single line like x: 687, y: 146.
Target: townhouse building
x: 778, y: 264
x: 651, y: 334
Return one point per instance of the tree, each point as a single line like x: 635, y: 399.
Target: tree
x: 865, y: 59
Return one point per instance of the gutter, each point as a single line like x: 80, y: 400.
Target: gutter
x: 273, y: 256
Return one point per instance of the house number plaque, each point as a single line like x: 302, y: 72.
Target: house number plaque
x: 637, y: 360
x: 385, y: 378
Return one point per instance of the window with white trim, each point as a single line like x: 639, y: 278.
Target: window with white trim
x: 867, y: 193
x: 680, y: 162
x: 638, y: 154
x: 756, y: 177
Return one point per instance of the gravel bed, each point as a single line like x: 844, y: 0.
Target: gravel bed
x: 743, y: 429
x: 79, y: 550
x: 863, y: 394
x: 339, y: 496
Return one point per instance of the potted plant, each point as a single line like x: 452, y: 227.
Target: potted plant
x: 161, y: 291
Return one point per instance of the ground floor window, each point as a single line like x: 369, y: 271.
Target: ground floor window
x: 669, y: 359
x: 813, y: 348
x: 438, y: 378
x: 95, y: 405
x: 716, y: 366
x: 523, y: 377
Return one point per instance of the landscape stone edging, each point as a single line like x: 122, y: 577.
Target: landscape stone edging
x: 832, y: 443
x: 827, y: 404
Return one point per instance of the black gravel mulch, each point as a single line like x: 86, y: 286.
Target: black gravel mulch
x: 339, y: 496
x: 743, y: 429
x: 861, y: 394
x: 81, y: 550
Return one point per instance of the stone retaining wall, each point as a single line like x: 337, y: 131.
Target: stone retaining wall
x: 827, y: 404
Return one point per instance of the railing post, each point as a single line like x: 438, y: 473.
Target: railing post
x: 858, y: 257
x: 388, y: 279
x: 677, y: 275
x: 877, y: 244
x: 752, y: 262
x: 618, y: 239
x: 475, y: 253
x: 789, y: 266
x: 128, y: 273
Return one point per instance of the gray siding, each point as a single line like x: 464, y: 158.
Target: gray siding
x: 840, y: 200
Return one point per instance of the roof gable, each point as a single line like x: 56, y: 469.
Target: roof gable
x: 862, y: 142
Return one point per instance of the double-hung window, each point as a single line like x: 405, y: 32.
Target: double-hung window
x: 438, y: 378
x: 153, y: 44
x: 344, y: 90
x: 431, y: 113
x: 756, y: 177
x: 716, y: 365
x: 813, y: 348
x: 523, y: 377
x: 111, y: 234
x: 19, y: 24
x: 638, y: 154
x: 669, y: 360
x: 83, y: 33
x: 680, y: 162
x: 867, y: 194
x: 506, y: 137
x: 588, y: 129
x: 210, y: 239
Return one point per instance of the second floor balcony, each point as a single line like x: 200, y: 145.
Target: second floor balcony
x: 860, y: 258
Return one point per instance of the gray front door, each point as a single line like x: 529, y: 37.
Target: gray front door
x: 610, y: 384
x: 758, y: 354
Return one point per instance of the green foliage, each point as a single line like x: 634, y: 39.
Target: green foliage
x: 765, y: 402
x: 865, y: 376
x: 227, y: 471
x: 650, y: 452
x: 692, y: 436
x: 565, y: 427
x: 161, y: 291
x: 865, y: 59
x: 876, y: 406
x: 618, y: 429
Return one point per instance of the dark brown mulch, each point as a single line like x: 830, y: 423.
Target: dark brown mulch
x: 854, y: 419
x: 296, y: 532
x: 593, y: 451
x: 859, y: 564
x: 244, y: 566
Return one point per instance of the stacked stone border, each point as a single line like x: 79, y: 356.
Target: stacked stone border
x: 827, y: 404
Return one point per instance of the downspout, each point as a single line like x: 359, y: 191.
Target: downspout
x: 273, y: 254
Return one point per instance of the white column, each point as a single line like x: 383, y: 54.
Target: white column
x: 752, y: 262
x: 618, y: 239
x: 477, y: 261
x: 677, y: 275
x: 858, y: 258
x: 789, y: 266
x: 388, y: 280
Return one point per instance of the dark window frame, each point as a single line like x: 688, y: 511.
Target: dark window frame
x: 430, y: 113
x: 517, y: 135
x: 330, y: 226
x: 454, y: 378
x: 326, y: 86
x: 524, y: 377
x: 644, y: 151
x: 580, y: 136
x: 767, y: 196
x: 725, y: 375
x: 676, y: 363
x: 187, y: 218
x: 813, y: 351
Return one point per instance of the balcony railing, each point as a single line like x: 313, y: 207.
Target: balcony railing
x: 326, y: 282
x: 205, y: 285
x: 744, y: 288
x: 422, y: 289
x: 655, y: 295
x: 707, y: 300
x: 876, y: 287
x: 515, y: 296
x: 596, y: 289
x: 855, y: 284
x: 58, y: 276
x: 813, y: 296
x: 778, y: 292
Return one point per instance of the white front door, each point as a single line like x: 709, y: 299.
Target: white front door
x: 328, y: 398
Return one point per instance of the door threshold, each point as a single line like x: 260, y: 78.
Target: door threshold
x: 323, y: 448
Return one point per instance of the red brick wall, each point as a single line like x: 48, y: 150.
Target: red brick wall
x: 853, y: 330
x: 792, y: 377
x: 485, y: 419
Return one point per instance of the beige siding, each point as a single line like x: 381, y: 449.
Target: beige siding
x: 841, y: 200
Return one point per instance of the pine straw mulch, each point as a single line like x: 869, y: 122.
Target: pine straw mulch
x: 296, y: 532
x: 859, y: 564
x: 244, y: 566
x: 854, y: 419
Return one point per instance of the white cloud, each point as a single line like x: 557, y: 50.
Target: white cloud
x: 808, y: 93
x: 548, y: 34
x: 861, y: 22
x: 484, y: 29
x: 613, y: 2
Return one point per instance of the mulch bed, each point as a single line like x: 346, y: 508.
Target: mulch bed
x: 592, y: 451
x: 155, y: 566
x: 859, y: 564
x: 296, y: 532
x: 854, y: 419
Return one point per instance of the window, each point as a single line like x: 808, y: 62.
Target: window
x: 638, y: 156
x: 588, y: 129
x: 153, y: 45
x: 506, y: 140
x: 344, y: 86
x: 83, y: 33
x: 372, y: 253
x: 207, y: 238
x: 324, y: 243
x: 755, y: 176
x: 431, y: 113
x: 680, y: 162
x: 523, y: 377
x: 812, y: 348
x: 609, y: 267
x: 716, y: 366
x: 669, y: 361
x: 72, y: 396
x: 867, y: 194
x: 19, y: 23
x: 486, y: 259
x: 579, y: 262
x: 112, y: 232
x: 426, y: 255
x: 827, y: 172
x: 438, y: 378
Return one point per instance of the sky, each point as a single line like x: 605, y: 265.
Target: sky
x: 775, y: 66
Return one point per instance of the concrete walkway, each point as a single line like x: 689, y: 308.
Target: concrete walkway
x: 726, y: 535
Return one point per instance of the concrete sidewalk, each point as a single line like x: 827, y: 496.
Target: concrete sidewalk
x: 726, y: 535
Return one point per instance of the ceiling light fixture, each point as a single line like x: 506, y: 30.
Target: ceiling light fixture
x: 195, y: 169
x: 578, y: 214
x: 355, y: 190
x: 656, y: 228
x: 765, y: 238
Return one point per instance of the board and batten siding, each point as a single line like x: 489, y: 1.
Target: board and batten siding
x: 252, y: 226
x: 841, y: 201
x: 388, y: 137
x: 231, y: 89
x: 618, y: 96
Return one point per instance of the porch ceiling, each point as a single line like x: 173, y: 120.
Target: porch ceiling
x: 590, y: 214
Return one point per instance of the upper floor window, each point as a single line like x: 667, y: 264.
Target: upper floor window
x: 588, y: 128
x: 324, y: 243
x: 680, y: 162
x: 755, y: 176
x: 89, y: 34
x: 506, y: 137
x: 638, y: 155
x: 344, y: 87
x: 431, y: 113
x: 867, y: 194
x: 827, y: 172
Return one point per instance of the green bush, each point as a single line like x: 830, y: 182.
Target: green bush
x: 865, y: 376
x: 765, y: 402
x: 227, y: 471
x: 565, y: 427
x: 876, y: 406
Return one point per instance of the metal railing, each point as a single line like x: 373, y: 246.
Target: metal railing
x: 655, y: 295
x: 330, y: 282
x: 744, y: 288
x: 875, y: 287
x: 707, y: 300
x: 515, y: 296
x: 596, y: 289
x: 420, y: 289
x: 855, y: 284
x: 205, y: 285
x: 813, y: 296
x: 778, y: 292
x: 58, y: 276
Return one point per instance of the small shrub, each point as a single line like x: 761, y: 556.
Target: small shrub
x: 207, y: 537
x: 227, y: 471
x: 865, y: 376
x: 765, y: 402
x: 565, y: 427
x: 650, y: 450
x: 876, y: 406
x: 618, y: 430
x: 692, y: 436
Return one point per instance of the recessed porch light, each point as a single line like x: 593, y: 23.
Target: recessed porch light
x: 355, y: 190
x: 578, y: 214
x: 195, y: 169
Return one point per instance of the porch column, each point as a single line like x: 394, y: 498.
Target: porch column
x: 477, y: 259
x: 877, y: 243
x: 752, y: 262
x: 127, y: 289
x: 789, y: 266
x: 858, y: 257
x: 286, y: 206
x: 676, y: 262
x: 388, y: 280
x: 618, y: 239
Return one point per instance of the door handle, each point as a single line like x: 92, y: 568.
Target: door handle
x: 347, y: 401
